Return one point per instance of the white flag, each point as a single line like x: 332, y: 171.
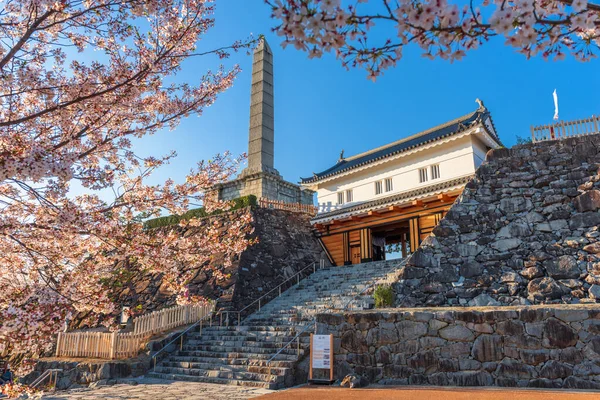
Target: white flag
x: 555, y: 104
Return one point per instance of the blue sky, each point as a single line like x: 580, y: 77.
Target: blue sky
x: 320, y: 108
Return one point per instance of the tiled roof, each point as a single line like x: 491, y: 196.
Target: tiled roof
x: 395, y: 199
x: 430, y: 135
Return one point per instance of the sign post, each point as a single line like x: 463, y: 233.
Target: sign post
x: 321, y: 357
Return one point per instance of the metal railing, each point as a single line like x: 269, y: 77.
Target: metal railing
x: 180, y: 337
x: 276, y: 289
x: 313, y: 323
x: 561, y: 130
x: 52, y: 373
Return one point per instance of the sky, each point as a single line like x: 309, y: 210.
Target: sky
x: 320, y: 108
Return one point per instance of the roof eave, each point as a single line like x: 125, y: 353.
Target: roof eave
x: 411, y: 195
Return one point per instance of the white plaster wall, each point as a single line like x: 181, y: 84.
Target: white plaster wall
x: 456, y: 158
x: 479, y: 151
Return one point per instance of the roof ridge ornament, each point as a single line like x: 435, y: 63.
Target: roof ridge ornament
x: 341, y: 156
x: 481, y: 106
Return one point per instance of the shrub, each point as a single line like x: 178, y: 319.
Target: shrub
x: 238, y: 203
x: 384, y: 296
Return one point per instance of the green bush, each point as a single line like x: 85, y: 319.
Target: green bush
x: 384, y: 296
x: 240, y: 202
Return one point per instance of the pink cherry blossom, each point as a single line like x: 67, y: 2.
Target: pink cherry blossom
x: 442, y: 29
x: 65, y: 121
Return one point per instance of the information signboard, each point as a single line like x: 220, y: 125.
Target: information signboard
x: 321, y: 354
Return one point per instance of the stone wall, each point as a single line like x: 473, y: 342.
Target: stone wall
x: 524, y: 231
x: 80, y: 374
x: 285, y: 245
x: 526, y: 346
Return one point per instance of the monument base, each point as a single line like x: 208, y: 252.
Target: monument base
x: 267, y: 185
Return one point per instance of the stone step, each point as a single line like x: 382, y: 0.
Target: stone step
x: 253, y: 356
x: 204, y: 379
x: 230, y: 337
x: 254, y: 328
x: 240, y: 349
x: 259, y: 369
x: 215, y: 373
x: 233, y: 361
x: 244, y: 343
x: 239, y: 355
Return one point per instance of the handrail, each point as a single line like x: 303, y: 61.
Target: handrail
x: 296, y: 275
x: 48, y: 372
x: 314, y: 321
x: 181, y: 336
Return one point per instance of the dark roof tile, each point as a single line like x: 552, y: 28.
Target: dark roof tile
x: 436, y: 133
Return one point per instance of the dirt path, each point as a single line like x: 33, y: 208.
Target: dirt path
x: 427, y: 393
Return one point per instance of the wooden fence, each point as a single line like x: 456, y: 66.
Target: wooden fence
x: 282, y: 205
x: 124, y: 345
x: 561, y: 130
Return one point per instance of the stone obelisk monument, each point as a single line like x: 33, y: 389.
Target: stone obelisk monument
x: 261, y: 138
x: 260, y: 178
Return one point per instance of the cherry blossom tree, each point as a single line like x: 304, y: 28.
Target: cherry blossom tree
x: 79, y: 80
x: 372, y: 34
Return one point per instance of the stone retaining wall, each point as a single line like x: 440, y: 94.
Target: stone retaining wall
x: 535, y: 346
x: 524, y: 231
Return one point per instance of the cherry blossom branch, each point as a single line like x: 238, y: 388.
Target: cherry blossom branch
x: 439, y: 28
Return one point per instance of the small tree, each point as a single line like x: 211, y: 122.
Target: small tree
x: 440, y: 28
x: 384, y: 296
x: 65, y: 121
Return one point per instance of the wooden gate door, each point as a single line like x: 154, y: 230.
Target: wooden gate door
x: 355, y: 254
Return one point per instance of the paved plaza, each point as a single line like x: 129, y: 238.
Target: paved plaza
x: 428, y: 393
x: 161, y: 389
x: 174, y: 390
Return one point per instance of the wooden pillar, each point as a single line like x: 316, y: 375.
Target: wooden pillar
x: 437, y: 217
x: 403, y: 245
x: 346, y: 248
x: 415, y: 235
x: 366, y: 245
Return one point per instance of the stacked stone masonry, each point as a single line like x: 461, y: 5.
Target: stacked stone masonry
x: 524, y: 231
x: 531, y: 346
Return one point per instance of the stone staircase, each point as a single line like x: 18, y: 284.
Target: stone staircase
x: 238, y: 355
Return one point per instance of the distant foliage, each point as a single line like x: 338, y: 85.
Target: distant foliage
x: 523, y: 140
x: 384, y: 296
x: 201, y: 212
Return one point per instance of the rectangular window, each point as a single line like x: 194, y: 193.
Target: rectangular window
x: 423, y: 175
x: 349, y: 196
x: 341, y: 198
x: 388, y: 185
x: 378, y: 187
x: 435, y: 171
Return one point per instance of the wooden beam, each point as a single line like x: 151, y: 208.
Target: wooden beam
x: 374, y: 212
x: 394, y: 208
x: 444, y: 197
x: 377, y: 220
x: 417, y: 203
